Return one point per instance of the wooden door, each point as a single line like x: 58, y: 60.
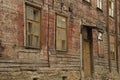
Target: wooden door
x: 87, y: 60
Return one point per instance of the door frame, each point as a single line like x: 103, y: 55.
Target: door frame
x: 90, y: 40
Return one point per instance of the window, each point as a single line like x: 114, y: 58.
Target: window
x: 61, y: 35
x: 32, y: 27
x: 99, y: 4
x: 111, y: 8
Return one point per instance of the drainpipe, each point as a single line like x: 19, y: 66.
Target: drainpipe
x: 24, y: 19
x: 109, y: 61
x: 48, y: 37
x: 116, y: 30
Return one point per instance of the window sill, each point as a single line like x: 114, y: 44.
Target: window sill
x: 61, y: 51
x: 27, y: 47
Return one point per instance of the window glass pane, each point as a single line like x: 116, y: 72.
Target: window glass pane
x: 36, y: 41
x: 63, y: 34
x: 36, y: 15
x: 61, y: 39
x: 58, y: 21
x: 63, y: 45
x: 58, y: 44
x: 112, y: 5
x: 58, y: 38
x: 61, y: 22
x: 29, y: 40
x: 29, y: 27
x: 29, y: 12
x: 58, y: 33
x: 36, y: 28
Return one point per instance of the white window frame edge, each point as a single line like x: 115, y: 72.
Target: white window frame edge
x: 88, y: 0
x: 99, y: 4
x: 100, y: 38
x: 111, y: 10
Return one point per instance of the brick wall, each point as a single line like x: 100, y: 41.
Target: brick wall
x: 20, y: 63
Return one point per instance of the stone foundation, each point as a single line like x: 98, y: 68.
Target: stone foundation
x: 39, y: 75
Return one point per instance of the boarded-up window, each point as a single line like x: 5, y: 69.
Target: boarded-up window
x: 111, y: 7
x: 61, y: 35
x: 32, y: 27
